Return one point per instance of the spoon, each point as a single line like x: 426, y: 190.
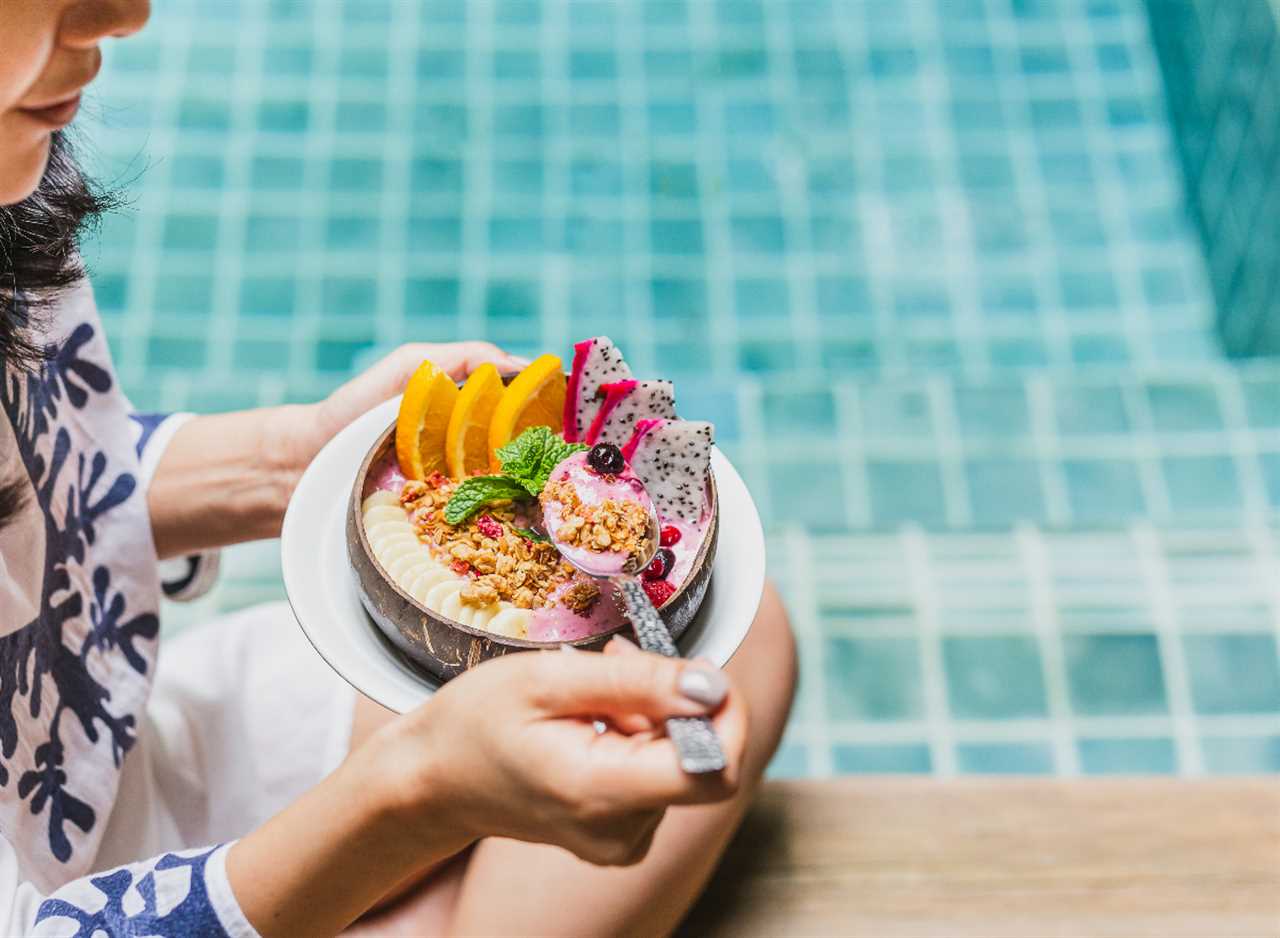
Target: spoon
x: 695, y: 738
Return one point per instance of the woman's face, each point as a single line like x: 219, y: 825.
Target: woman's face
x: 48, y: 53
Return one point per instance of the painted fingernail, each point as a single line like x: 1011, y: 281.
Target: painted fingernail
x: 621, y: 644
x: 703, y: 685
x: 569, y: 648
x: 519, y: 361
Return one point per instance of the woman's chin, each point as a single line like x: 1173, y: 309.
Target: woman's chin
x: 21, y: 169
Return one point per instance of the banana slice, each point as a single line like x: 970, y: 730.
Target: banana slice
x: 379, y: 498
x: 381, y: 513
x: 511, y: 621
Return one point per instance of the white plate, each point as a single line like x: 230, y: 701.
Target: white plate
x: 321, y: 585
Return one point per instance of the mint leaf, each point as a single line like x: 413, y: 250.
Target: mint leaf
x: 530, y: 457
x: 531, y: 535
x: 478, y: 491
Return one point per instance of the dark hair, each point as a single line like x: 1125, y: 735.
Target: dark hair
x: 39, y: 238
x: 39, y: 259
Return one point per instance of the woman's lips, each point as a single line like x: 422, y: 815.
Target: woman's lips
x: 55, y: 116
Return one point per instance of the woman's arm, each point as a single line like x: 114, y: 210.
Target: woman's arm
x: 227, y: 478
x: 506, y: 750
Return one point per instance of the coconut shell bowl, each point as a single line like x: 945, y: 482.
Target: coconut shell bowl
x: 442, y: 647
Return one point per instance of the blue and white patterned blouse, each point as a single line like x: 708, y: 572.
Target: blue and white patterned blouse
x: 79, y: 596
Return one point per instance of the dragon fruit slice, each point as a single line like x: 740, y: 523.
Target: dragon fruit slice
x: 672, y: 459
x: 595, y: 362
x: 626, y: 402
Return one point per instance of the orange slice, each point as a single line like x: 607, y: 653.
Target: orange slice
x: 428, y: 403
x: 534, y: 399
x: 466, y: 443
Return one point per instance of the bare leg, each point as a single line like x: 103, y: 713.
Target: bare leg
x: 505, y: 887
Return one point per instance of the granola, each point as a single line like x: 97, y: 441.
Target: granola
x: 508, y: 567
x: 613, y: 525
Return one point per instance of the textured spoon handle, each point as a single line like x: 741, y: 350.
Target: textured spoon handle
x: 694, y: 737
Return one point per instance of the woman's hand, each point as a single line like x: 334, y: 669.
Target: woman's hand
x: 386, y: 379
x: 227, y: 478
x: 512, y: 748
x: 506, y: 750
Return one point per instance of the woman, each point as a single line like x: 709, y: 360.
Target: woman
x: 234, y: 785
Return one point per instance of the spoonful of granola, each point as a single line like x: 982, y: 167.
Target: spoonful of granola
x: 600, y: 517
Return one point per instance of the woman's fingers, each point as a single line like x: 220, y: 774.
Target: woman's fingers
x: 630, y: 723
x: 574, y: 683
x: 457, y: 359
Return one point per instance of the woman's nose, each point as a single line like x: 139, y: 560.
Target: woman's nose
x: 88, y: 22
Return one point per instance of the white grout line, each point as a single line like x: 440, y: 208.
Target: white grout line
x: 801, y: 597
x: 1044, y: 617
x: 924, y: 581
x: 1173, y: 660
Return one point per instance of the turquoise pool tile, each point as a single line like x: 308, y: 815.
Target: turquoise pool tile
x: 190, y: 232
x: 841, y: 298
x: 992, y: 410
x: 1088, y: 290
x: 111, y: 291
x: 1233, y: 673
x: 516, y: 65
x: 1010, y: 296
x: 509, y: 300
x: 1115, y: 675
x: 166, y: 353
x: 355, y: 175
x: 1179, y: 407
x: 1005, y: 491
x: 435, y: 175
x: 906, y: 491
x: 274, y: 173
x: 842, y: 356
x: 1004, y: 758
x: 762, y: 233
x: 882, y: 759
x: 1127, y: 756
x: 204, y: 115
x: 673, y: 180
x: 356, y: 232
x: 1262, y: 401
x: 809, y: 414
x: 512, y: 235
x: 442, y: 233
x: 290, y: 117
x: 873, y: 679
x: 1201, y: 486
x: 1270, y: 463
x: 704, y: 400
x: 260, y: 355
x: 761, y: 298
x: 433, y: 296
x: 895, y: 412
x: 1087, y: 410
x: 267, y: 296
x: 917, y: 300
x: 181, y: 294
x: 336, y: 355
x: 1241, y: 755
x: 349, y: 296
x: 191, y: 171
x: 272, y: 233
x: 675, y: 236
x: 672, y: 118
x: 1103, y: 490
x: 518, y: 177
x: 1099, y: 350
x: 996, y: 678
x: 809, y: 492
x: 790, y: 761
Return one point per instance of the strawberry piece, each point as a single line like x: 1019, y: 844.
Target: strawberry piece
x: 659, y: 591
x: 489, y: 526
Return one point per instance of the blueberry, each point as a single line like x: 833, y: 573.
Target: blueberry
x: 606, y: 459
x: 661, y: 564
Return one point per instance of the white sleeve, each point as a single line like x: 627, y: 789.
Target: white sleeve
x: 176, y: 895
x: 182, y: 578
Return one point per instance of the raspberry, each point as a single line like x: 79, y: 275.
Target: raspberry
x: 660, y: 565
x: 659, y: 591
x: 489, y: 527
x: 670, y: 535
x: 459, y: 567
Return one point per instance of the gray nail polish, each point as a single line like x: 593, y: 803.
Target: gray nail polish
x: 703, y: 685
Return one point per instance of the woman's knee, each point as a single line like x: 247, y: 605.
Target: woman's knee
x: 765, y: 668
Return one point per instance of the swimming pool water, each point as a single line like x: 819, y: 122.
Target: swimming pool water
x: 928, y: 266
